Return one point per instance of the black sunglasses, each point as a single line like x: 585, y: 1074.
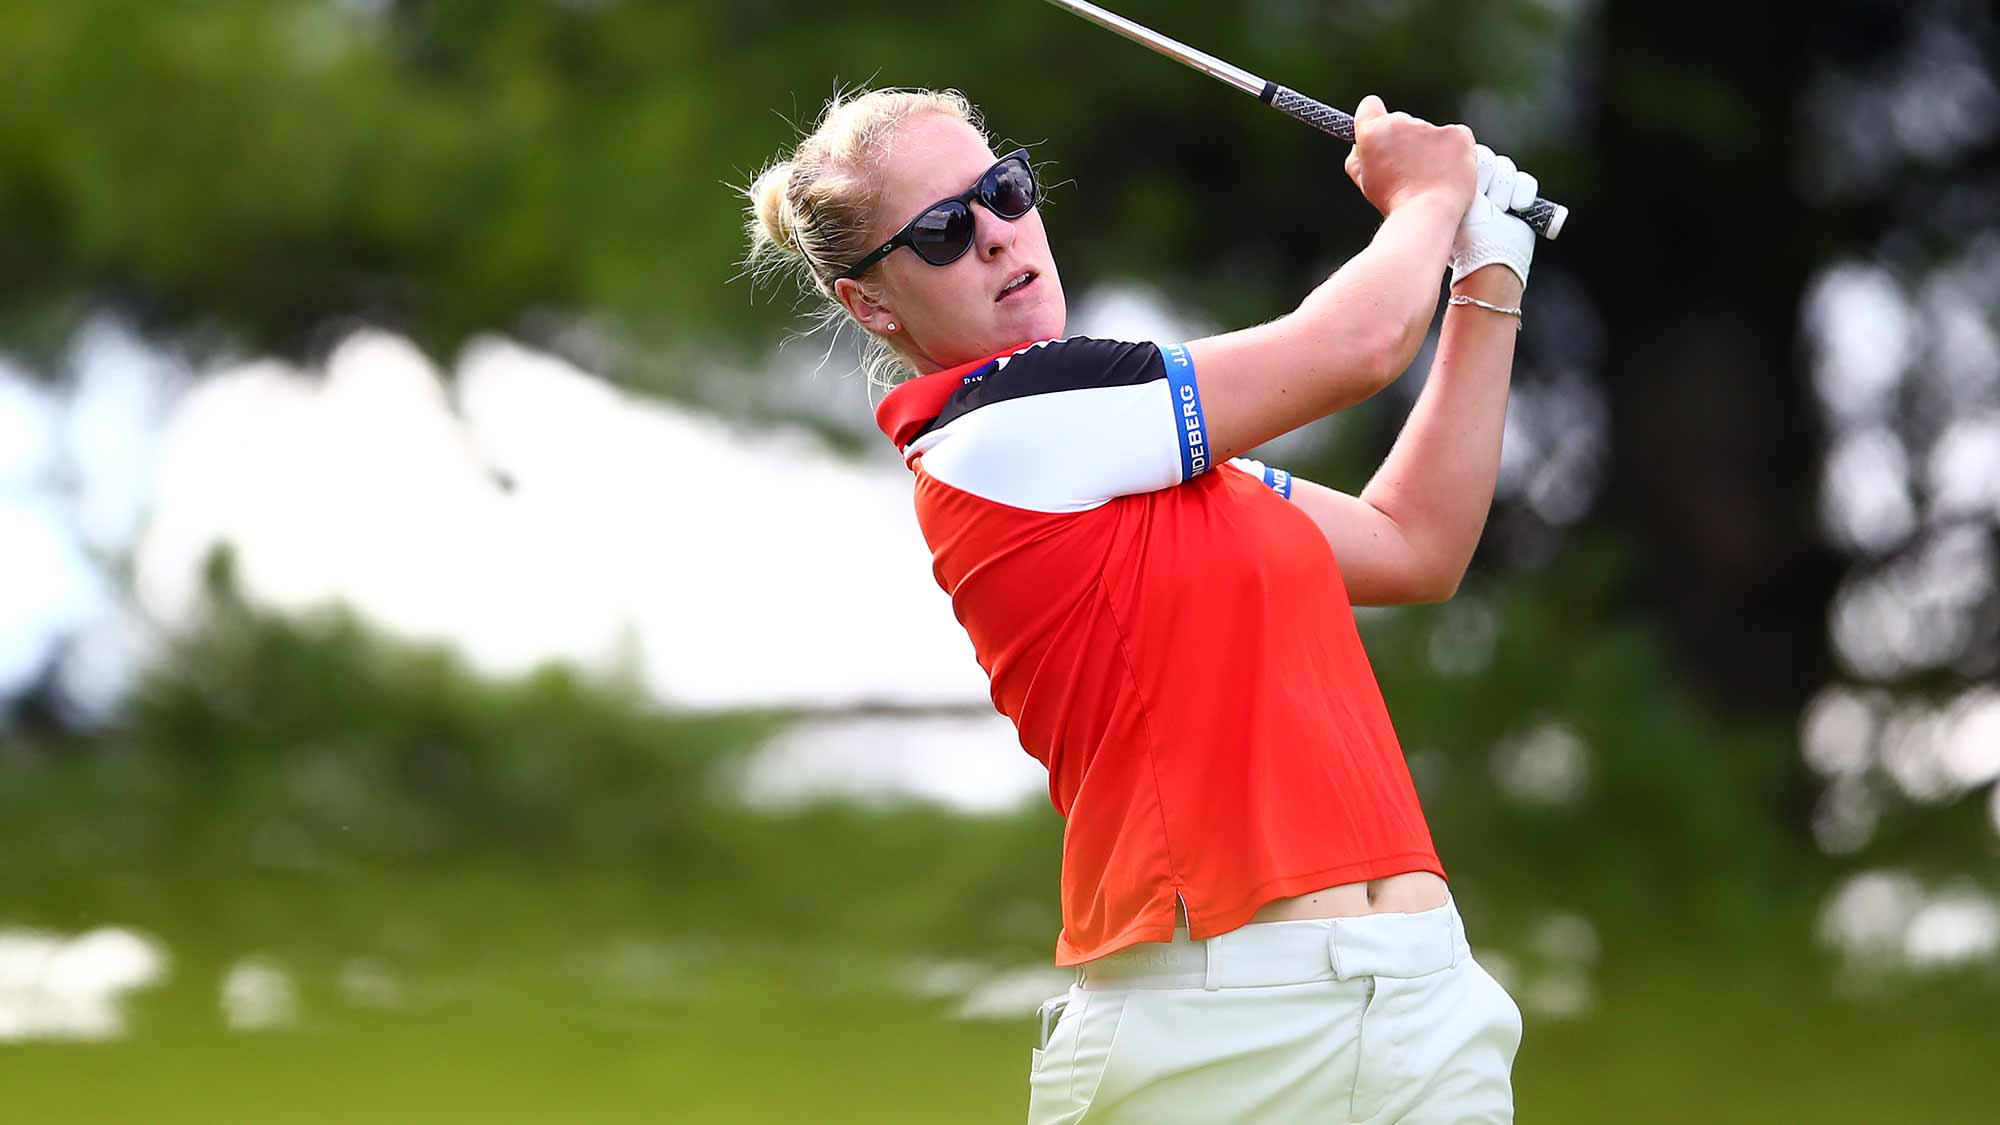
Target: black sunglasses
x: 942, y: 232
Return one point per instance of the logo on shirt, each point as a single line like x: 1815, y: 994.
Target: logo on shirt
x: 1197, y: 443
x: 1187, y: 401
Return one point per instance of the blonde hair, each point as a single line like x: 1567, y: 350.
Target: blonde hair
x: 810, y: 213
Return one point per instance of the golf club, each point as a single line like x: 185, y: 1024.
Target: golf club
x: 1544, y: 216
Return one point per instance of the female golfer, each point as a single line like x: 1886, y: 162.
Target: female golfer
x: 1250, y: 894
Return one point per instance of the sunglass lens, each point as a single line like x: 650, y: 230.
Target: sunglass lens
x: 942, y: 233
x: 1014, y: 189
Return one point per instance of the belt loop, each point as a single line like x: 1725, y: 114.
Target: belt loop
x: 1333, y: 949
x: 1211, y: 976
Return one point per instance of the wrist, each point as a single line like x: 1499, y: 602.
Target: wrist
x: 1441, y: 203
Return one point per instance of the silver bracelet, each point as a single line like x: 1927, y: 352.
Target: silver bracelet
x: 1462, y: 299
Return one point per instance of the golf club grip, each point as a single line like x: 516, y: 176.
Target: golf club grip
x: 1544, y: 217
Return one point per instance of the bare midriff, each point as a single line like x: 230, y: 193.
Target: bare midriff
x: 1405, y: 893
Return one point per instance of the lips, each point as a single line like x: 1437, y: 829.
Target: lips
x: 1017, y: 284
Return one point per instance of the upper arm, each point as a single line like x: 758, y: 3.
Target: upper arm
x: 1067, y: 425
x: 1378, y: 562
x: 1258, y: 383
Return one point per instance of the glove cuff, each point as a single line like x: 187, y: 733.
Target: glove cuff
x: 1469, y: 256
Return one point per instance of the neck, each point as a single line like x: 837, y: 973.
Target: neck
x: 919, y: 359
x: 924, y: 363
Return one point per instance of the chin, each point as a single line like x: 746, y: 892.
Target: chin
x: 1045, y: 321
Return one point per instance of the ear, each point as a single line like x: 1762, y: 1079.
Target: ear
x: 864, y: 305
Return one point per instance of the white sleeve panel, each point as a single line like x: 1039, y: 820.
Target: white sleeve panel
x: 1063, y: 451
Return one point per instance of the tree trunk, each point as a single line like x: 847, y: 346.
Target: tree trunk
x: 1697, y: 255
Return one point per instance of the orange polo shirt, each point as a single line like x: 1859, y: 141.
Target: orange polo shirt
x: 1170, y: 637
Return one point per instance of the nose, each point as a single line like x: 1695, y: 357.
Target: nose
x: 995, y: 235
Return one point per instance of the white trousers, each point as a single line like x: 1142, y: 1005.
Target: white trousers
x: 1379, y: 1018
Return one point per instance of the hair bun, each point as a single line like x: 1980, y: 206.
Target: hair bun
x: 773, y: 209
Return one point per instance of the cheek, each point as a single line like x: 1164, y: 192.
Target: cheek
x: 952, y: 299
x: 939, y: 305
x: 917, y: 291
x: 1039, y: 234
x: 964, y: 294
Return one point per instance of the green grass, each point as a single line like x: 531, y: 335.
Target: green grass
x: 535, y: 995
x: 584, y: 926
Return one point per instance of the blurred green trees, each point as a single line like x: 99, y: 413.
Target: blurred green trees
x: 243, y: 175
x: 261, y: 169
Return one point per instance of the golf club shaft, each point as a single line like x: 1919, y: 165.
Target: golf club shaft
x: 1545, y: 216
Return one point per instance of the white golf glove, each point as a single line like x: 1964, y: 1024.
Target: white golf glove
x: 1488, y: 233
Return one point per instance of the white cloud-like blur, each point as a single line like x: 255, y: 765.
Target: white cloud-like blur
x: 971, y: 764
x: 49, y: 587
x: 27, y: 430
x: 738, y: 568
x: 54, y: 986
x: 518, y: 508
x: 118, y: 400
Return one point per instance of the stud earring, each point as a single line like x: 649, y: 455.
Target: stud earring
x: 892, y: 326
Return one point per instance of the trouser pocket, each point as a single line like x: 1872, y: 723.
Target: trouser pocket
x: 1439, y: 1050
x: 1046, y: 1018
x: 1068, y: 1068
x: 1507, y: 1013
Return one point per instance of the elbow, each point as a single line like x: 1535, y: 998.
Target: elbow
x: 1436, y: 583
x: 1393, y: 350
x: 1441, y: 588
x: 1411, y: 340
x: 1404, y: 589
x: 1384, y: 360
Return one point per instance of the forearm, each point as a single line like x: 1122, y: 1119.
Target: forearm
x: 1346, y: 341
x: 1388, y: 291
x: 1437, y: 482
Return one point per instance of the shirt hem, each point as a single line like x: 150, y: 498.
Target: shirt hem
x: 1204, y: 924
